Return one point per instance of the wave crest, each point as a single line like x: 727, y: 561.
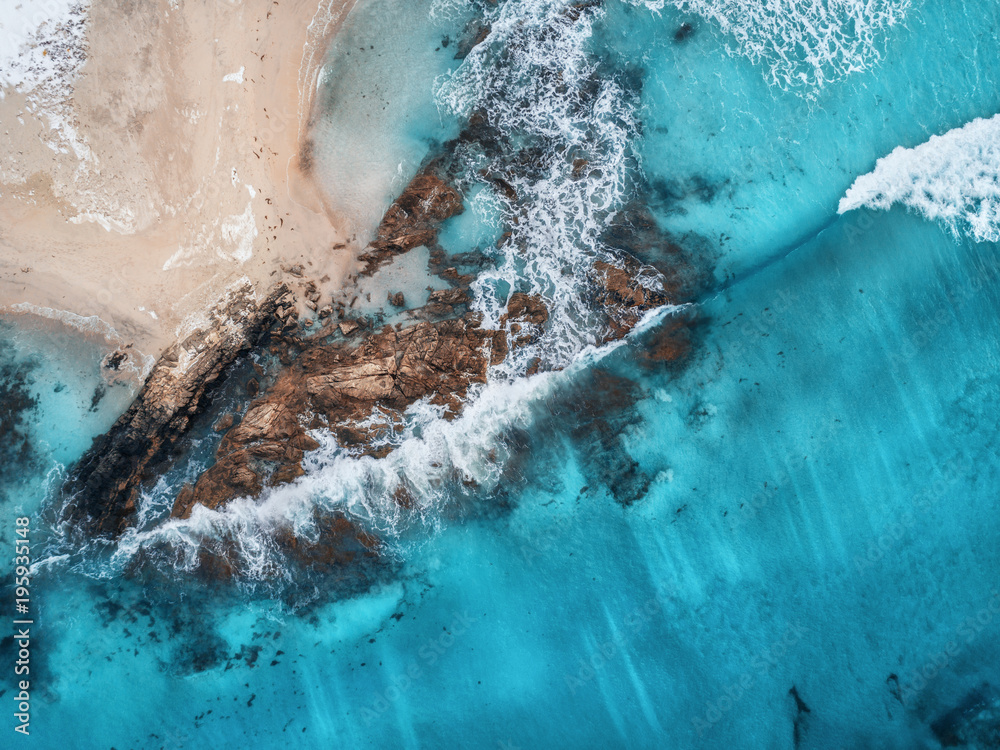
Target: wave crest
x: 952, y: 178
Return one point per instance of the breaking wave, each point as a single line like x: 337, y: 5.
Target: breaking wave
x: 952, y: 178
x: 433, y: 461
x: 804, y: 44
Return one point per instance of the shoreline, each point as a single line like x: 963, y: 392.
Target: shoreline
x: 173, y: 185
x: 335, y: 368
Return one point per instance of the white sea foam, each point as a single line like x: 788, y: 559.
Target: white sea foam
x: 123, y: 222
x: 803, y: 44
x: 534, y: 77
x: 952, y: 178
x: 229, y: 239
x: 239, y: 231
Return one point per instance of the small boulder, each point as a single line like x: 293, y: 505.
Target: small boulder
x: 223, y: 423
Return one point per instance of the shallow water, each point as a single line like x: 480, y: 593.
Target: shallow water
x: 788, y: 541
x: 375, y: 121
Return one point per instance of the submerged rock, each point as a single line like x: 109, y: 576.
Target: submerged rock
x: 974, y: 723
x: 597, y: 414
x: 671, y: 343
x: 684, y: 32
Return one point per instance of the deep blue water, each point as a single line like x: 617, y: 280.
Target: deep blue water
x: 791, y: 540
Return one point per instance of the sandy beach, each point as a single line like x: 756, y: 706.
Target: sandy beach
x: 166, y: 171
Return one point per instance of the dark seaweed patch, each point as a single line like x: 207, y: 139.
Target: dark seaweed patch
x: 684, y: 32
x: 668, y: 195
x: 597, y: 410
x: 17, y: 454
x: 974, y: 722
x: 99, y: 392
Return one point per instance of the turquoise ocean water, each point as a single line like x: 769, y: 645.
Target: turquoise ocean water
x: 791, y: 540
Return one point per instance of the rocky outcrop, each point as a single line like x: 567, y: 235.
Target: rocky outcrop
x: 625, y: 291
x: 524, y: 309
x: 338, y: 373
x: 329, y: 381
x: 628, y: 286
x: 334, y: 386
x: 103, y: 487
x: 413, y: 218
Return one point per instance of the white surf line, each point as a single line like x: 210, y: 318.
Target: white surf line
x: 952, y: 178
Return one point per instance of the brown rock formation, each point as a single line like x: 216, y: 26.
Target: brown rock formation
x: 105, y: 484
x: 413, y: 219
x: 626, y: 291
x: 524, y: 308
x: 338, y: 385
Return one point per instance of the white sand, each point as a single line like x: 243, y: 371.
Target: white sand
x: 171, y: 172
